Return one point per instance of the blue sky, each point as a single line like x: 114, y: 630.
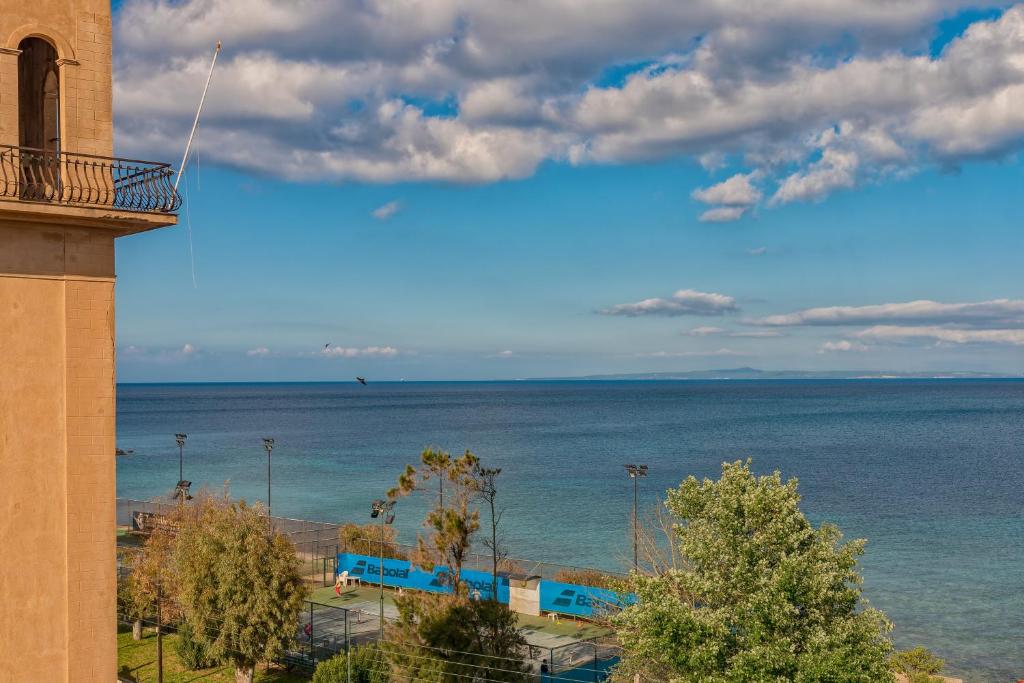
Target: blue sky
x: 470, y: 233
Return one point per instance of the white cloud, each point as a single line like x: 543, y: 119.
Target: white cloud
x: 836, y: 169
x: 481, y: 91
x: 757, y: 334
x: 842, y: 346
x: 691, y: 354
x: 723, y: 214
x: 757, y: 251
x: 382, y: 213
x: 742, y: 334
x: 944, y: 334
x: 683, y: 302
x: 258, y: 352
x: 703, y: 331
x: 736, y: 191
x: 355, y: 352
x: 161, y: 355
x: 977, y: 314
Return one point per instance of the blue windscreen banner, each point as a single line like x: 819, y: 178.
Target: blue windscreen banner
x: 404, y: 574
x: 563, y: 598
x: 581, y: 601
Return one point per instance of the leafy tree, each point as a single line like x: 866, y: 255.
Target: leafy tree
x: 239, y: 585
x: 919, y: 665
x: 148, y: 590
x: 761, y: 595
x: 368, y: 666
x: 192, y: 651
x: 441, y: 638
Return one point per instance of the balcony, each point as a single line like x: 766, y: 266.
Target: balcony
x: 86, y: 180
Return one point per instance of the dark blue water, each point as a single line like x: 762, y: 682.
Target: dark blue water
x: 930, y: 471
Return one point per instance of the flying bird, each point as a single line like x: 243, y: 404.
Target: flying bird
x: 361, y: 380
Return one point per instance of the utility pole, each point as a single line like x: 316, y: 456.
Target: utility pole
x: 159, y: 629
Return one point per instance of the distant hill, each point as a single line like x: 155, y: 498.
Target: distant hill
x: 754, y: 373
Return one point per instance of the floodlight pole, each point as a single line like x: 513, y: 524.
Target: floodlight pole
x: 382, y: 508
x: 635, y: 472
x: 380, y: 620
x: 268, y: 444
x: 636, y: 554
x: 180, y: 438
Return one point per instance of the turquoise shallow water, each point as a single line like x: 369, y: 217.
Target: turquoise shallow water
x: 930, y: 471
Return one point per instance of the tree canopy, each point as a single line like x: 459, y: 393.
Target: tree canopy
x: 239, y: 585
x: 762, y: 595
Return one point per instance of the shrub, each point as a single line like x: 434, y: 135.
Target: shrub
x: 368, y: 666
x: 364, y: 539
x: 192, y: 652
x: 587, y: 577
x: 919, y: 665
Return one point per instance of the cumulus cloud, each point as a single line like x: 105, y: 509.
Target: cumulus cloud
x: 355, y: 352
x: 1014, y: 337
x: 382, y: 213
x: 736, y: 191
x: 162, y: 355
x: 723, y: 214
x: 740, y: 334
x: 844, y: 345
x: 734, y: 195
x: 258, y: 352
x: 683, y: 302
x: 703, y: 331
x: 480, y: 91
x: 757, y: 251
x: 992, y: 313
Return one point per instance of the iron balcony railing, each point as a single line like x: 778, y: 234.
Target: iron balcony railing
x: 38, y: 175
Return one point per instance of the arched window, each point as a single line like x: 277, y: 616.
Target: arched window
x: 39, y: 121
x: 38, y: 96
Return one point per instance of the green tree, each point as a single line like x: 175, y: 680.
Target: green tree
x: 441, y: 638
x: 368, y: 665
x: 149, y: 589
x: 451, y: 523
x: 762, y: 595
x: 919, y: 665
x: 239, y: 585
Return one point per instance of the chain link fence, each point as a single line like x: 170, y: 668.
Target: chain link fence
x: 326, y: 631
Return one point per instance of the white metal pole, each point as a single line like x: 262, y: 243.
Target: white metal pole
x: 195, y: 123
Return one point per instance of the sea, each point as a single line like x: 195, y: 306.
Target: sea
x: 930, y: 472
